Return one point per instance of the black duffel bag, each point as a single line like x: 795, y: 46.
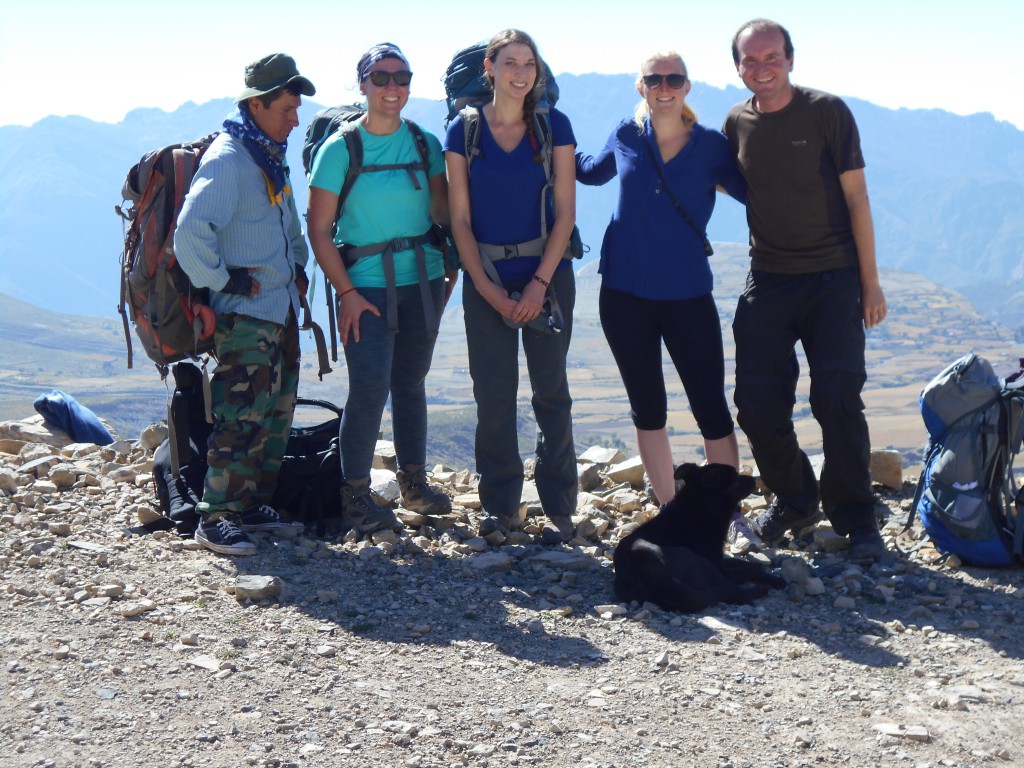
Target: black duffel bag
x: 309, y: 485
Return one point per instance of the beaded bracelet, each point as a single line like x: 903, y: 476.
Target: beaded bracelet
x: 541, y: 280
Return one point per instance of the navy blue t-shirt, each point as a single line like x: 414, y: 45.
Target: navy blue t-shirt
x: 505, y: 190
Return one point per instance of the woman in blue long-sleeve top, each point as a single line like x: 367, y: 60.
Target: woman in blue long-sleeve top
x: 656, y: 280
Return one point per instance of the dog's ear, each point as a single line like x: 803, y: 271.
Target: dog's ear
x: 687, y: 472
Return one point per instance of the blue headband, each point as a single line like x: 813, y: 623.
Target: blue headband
x: 378, y: 53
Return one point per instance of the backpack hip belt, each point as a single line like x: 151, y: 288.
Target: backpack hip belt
x: 350, y: 254
x: 533, y: 247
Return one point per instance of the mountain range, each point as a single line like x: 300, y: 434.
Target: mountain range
x: 946, y: 191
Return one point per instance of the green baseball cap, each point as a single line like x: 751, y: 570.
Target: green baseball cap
x: 270, y: 72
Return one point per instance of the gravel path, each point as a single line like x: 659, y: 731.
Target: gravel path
x: 437, y: 648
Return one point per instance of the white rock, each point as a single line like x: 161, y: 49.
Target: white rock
x: 887, y: 469
x: 153, y: 435
x: 384, y: 483
x: 913, y: 732
x: 597, y: 454
x: 258, y: 587
x: 384, y: 456
x: 629, y: 471
x: 8, y: 480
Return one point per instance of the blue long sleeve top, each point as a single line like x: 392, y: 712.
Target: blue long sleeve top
x: 648, y: 249
x: 227, y: 221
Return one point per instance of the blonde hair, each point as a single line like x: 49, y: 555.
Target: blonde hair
x: 642, y: 110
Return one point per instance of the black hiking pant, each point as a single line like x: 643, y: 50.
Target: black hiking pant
x: 822, y: 311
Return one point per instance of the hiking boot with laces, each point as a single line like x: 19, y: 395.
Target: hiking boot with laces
x: 264, y: 518
x: 361, y: 512
x: 780, y: 519
x: 223, y: 536
x: 418, y: 496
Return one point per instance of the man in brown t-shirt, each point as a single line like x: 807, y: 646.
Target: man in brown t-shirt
x: 814, y: 280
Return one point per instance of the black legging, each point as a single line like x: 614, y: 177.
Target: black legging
x: 692, y: 333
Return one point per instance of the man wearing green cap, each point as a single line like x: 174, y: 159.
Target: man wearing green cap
x: 240, y: 236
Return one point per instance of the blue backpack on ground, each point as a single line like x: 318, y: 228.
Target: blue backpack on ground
x: 967, y: 497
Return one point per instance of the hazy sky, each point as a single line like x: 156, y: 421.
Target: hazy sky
x: 100, y: 59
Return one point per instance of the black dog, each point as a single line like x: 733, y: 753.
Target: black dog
x: 676, y: 559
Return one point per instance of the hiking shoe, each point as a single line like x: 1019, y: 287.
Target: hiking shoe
x: 361, y: 512
x: 740, y: 535
x: 558, y: 530
x: 866, y: 543
x: 418, y: 496
x: 780, y: 519
x: 264, y: 518
x: 222, y: 535
x: 493, y: 523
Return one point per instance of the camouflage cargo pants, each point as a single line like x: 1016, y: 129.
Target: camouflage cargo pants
x: 253, y: 399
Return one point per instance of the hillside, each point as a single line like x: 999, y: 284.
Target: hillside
x: 434, y: 647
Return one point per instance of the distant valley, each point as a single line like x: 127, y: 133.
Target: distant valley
x: 928, y: 327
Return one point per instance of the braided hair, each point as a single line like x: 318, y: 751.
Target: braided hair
x: 494, y: 46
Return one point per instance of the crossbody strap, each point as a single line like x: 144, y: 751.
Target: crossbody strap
x: 708, y: 250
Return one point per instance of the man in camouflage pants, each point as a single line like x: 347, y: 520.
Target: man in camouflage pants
x: 240, y: 236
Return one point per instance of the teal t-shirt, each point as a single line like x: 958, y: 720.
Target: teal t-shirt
x: 382, y: 205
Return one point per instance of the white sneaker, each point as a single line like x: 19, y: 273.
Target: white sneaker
x: 740, y: 537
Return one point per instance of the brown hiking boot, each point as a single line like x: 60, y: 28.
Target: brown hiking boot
x: 418, y: 496
x: 360, y: 511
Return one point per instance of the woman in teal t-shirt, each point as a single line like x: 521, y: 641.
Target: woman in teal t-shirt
x: 389, y: 295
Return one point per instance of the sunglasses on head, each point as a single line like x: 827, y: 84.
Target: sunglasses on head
x: 675, y: 82
x: 380, y: 79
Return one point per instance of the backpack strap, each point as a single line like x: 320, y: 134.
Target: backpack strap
x: 932, y: 448
x: 1013, y: 415
x: 354, y: 143
x: 542, y: 128
x: 433, y: 236
x: 471, y: 134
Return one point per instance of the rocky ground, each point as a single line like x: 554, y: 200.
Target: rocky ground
x: 437, y: 648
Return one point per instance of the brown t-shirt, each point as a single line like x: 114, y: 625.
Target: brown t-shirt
x: 791, y: 159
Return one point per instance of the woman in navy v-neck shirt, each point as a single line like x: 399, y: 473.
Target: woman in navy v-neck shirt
x: 498, y: 200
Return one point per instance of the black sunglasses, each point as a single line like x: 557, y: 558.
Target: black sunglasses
x: 402, y: 78
x: 675, y: 82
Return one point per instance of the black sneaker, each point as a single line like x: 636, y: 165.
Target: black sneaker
x: 866, y: 543
x: 223, y: 536
x: 780, y: 519
x: 264, y: 518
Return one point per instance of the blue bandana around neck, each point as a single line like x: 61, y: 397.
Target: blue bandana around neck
x: 268, y: 154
